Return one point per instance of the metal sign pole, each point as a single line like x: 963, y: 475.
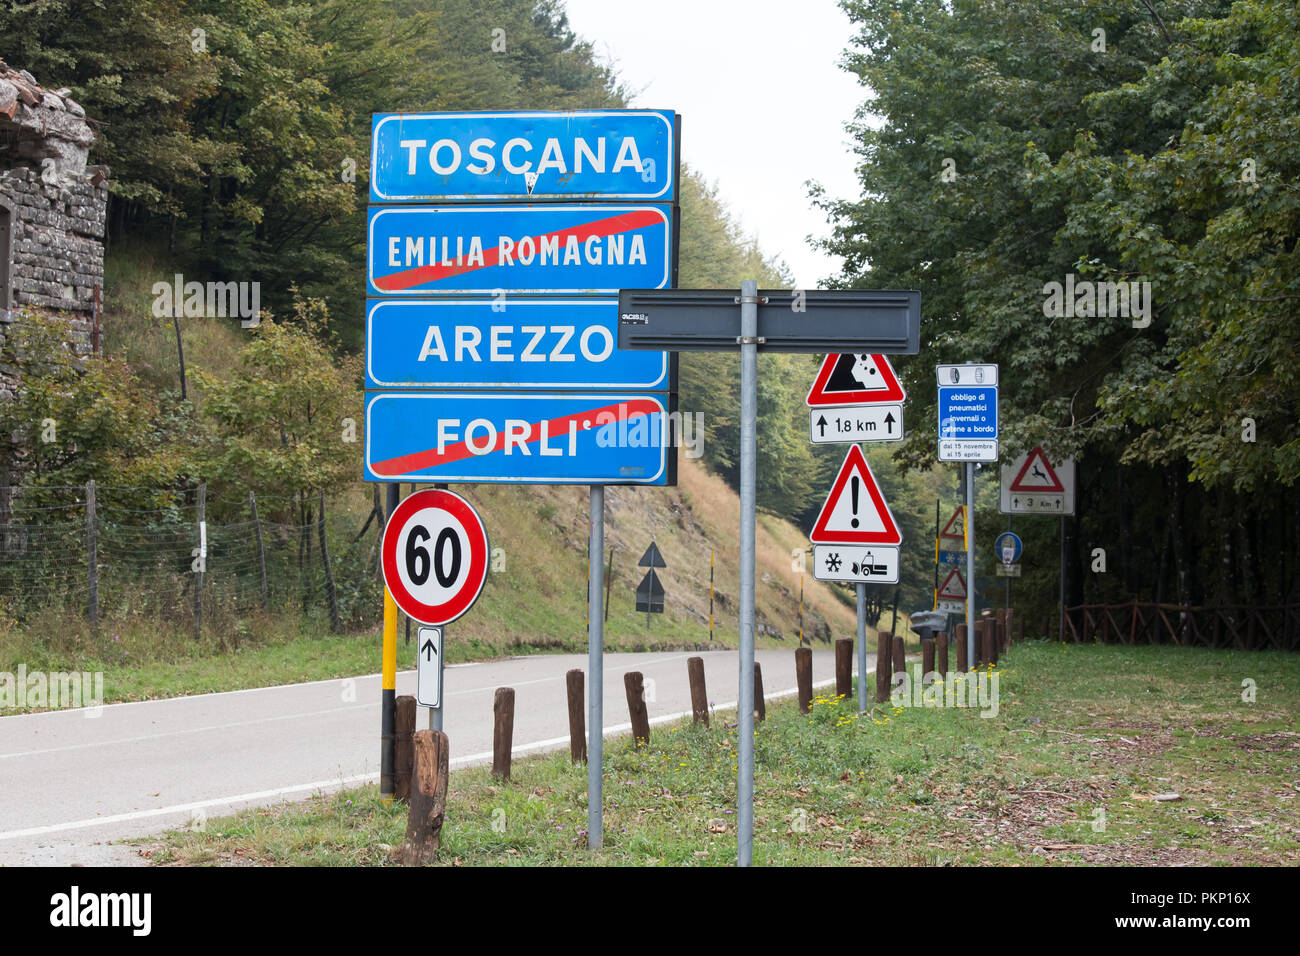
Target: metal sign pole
x: 595, y: 672
x: 862, y: 648
x: 748, y: 460
x: 970, y: 561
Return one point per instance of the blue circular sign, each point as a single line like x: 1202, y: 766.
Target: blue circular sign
x: 1008, y: 541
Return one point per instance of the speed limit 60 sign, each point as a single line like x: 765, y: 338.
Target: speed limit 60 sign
x: 435, y: 556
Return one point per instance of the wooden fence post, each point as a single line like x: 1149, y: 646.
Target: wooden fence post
x: 699, y: 694
x: 899, y: 657
x: 428, y: 798
x: 202, y: 560
x: 990, y: 642
x: 92, y: 557
x: 403, y: 747
x: 634, y: 687
x: 503, y: 730
x: 261, y: 549
x: 963, y: 664
x: 760, y: 702
x: 803, y: 677
x: 927, y: 657
x: 573, y: 680
x: 884, y: 651
x: 330, y: 593
x: 941, y: 652
x: 843, y: 667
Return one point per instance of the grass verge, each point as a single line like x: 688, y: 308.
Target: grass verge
x: 1096, y: 755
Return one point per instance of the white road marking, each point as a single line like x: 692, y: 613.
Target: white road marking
x: 326, y: 785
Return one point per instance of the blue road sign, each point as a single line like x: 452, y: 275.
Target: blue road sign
x: 1008, y: 539
x: 509, y: 343
x: 584, y: 439
x: 968, y: 412
x: 523, y: 156
x: 572, y: 248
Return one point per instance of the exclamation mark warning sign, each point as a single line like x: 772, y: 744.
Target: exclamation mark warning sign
x: 855, y: 512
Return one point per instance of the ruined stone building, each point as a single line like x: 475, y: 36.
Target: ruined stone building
x: 52, y: 212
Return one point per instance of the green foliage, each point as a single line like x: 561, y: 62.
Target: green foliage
x: 281, y: 422
x: 75, y: 419
x: 1122, y: 164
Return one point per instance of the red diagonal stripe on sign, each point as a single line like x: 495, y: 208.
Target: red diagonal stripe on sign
x: 612, y: 225
x: 556, y: 427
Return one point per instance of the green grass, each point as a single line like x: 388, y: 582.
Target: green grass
x: 1065, y: 773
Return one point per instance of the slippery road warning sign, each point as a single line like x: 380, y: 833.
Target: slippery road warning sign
x: 854, y: 378
x: 855, y: 512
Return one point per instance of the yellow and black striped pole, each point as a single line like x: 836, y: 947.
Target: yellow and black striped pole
x: 388, y: 691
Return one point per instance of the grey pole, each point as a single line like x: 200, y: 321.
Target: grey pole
x: 970, y: 561
x: 862, y: 648
x: 595, y: 671
x: 748, y: 456
x: 435, y: 713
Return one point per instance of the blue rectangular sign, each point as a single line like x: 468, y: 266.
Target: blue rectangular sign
x: 571, y: 248
x: 523, y: 156
x: 510, y: 343
x: 519, y: 438
x: 968, y: 412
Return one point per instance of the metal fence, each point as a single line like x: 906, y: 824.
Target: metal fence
x: 95, y: 550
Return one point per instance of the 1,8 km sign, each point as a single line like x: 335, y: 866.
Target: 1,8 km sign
x: 435, y: 556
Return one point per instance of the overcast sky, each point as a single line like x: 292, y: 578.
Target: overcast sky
x: 762, y: 99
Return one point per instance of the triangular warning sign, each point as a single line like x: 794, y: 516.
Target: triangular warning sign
x: 1037, y: 474
x: 652, y: 558
x: 955, y: 529
x: 855, y: 511
x: 855, y: 378
x: 953, y: 587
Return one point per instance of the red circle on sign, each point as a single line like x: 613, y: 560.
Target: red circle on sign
x: 462, y: 515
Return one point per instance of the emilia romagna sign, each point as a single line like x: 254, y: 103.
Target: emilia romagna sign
x: 524, y: 156
x: 610, y: 438
x: 538, y: 249
x: 505, y: 342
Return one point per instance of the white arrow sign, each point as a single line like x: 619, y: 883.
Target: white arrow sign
x: 855, y: 423
x: 428, y: 667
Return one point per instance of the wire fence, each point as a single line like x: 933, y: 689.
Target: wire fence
x: 182, y: 557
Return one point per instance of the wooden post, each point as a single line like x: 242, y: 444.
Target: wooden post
x: 573, y: 680
x: 884, y: 651
x: 990, y: 642
x: 503, y: 730
x: 92, y: 555
x: 760, y: 702
x: 899, y: 656
x: 941, y: 652
x: 634, y: 687
x: 261, y: 549
x: 963, y: 664
x: 699, y: 695
x: 202, y: 557
x: 332, y: 595
x: 403, y: 744
x: 428, y: 798
x: 927, y: 657
x: 979, y: 645
x: 843, y: 667
x: 803, y: 677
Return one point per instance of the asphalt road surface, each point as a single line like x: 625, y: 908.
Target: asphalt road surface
x: 71, y: 782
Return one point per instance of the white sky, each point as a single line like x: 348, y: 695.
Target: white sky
x: 723, y: 64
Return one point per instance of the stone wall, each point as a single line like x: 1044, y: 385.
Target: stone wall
x: 54, y: 206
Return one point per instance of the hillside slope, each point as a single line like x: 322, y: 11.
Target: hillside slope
x: 539, y: 598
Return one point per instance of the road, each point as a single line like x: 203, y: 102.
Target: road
x: 70, y: 782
